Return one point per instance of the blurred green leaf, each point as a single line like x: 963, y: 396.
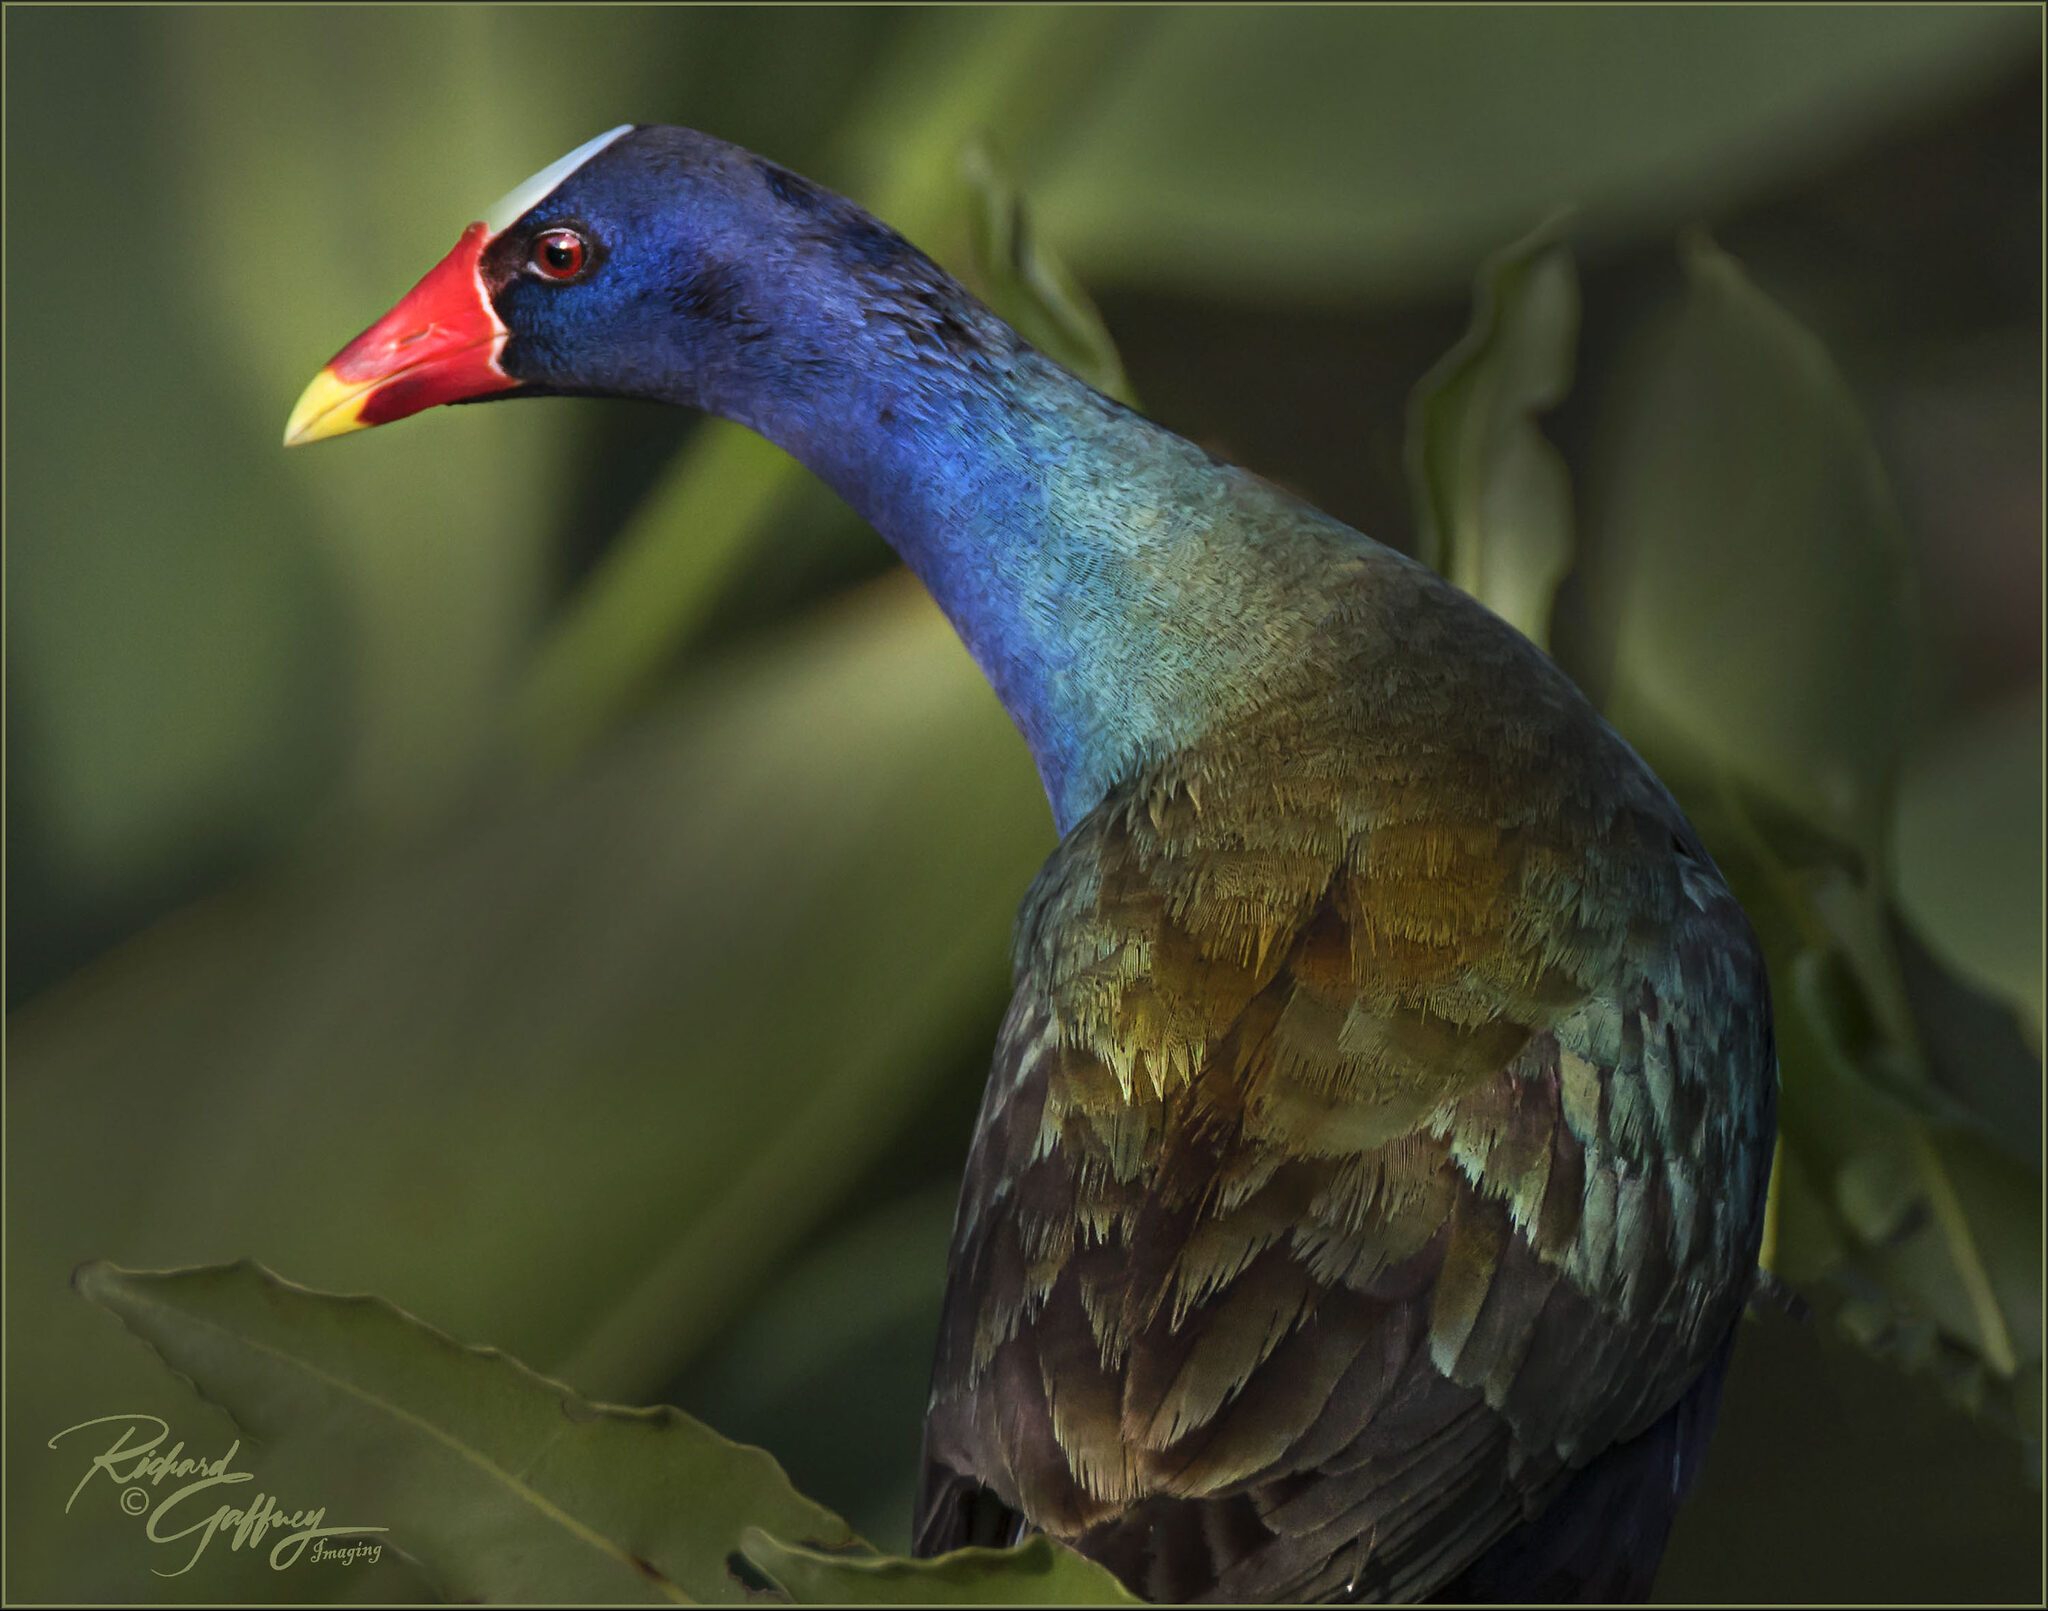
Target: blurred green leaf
x: 1801, y: 1243
x: 1493, y: 498
x: 1976, y: 1048
x: 1825, y: 987
x: 1753, y: 562
x: 714, y: 502
x: 1966, y: 851
x: 1023, y: 281
x: 435, y: 534
x: 1229, y: 149
x: 502, y: 1484
x: 1982, y: 1279
x: 831, y: 1366
x: 1852, y: 986
x: 1036, y: 1572
x: 1877, y: 1193
x: 171, y: 638
x: 1852, y: 912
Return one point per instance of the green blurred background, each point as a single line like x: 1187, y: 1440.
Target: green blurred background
x: 546, y: 865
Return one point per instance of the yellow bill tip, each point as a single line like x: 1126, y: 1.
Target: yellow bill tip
x: 330, y: 406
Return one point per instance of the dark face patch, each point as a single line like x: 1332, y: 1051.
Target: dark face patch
x: 871, y: 242
x: 711, y: 294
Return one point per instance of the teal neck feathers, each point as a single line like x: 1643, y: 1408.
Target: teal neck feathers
x: 1123, y: 591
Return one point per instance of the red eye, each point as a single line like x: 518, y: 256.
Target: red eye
x: 559, y: 254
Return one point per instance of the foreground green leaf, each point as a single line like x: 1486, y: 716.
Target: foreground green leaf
x: 1036, y: 1572
x: 502, y: 1484
x: 1492, y: 497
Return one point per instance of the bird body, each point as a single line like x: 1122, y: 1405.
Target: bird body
x: 1361, y: 1156
x: 1371, y: 1172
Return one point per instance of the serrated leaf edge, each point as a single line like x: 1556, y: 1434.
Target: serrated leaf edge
x: 95, y: 1281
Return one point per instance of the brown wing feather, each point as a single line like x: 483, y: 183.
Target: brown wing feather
x: 1378, y: 1136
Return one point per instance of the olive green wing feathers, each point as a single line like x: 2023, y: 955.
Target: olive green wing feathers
x: 1361, y: 1157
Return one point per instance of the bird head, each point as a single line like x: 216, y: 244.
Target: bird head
x: 628, y: 268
